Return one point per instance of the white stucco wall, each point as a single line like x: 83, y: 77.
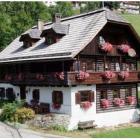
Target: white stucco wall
x: 46, y: 97
x: 78, y: 114
x: 15, y: 88
x: 101, y: 119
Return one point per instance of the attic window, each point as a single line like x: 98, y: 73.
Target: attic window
x: 27, y: 44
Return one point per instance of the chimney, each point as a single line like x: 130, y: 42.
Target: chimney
x: 57, y: 18
x: 40, y: 25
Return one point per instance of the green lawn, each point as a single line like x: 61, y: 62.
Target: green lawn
x: 133, y: 132
x: 134, y: 20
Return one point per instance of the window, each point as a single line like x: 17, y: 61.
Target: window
x: 57, y: 97
x: 128, y: 92
x: 116, y: 93
x: 99, y: 65
x: 2, y: 93
x: 103, y: 94
x: 36, y: 94
x: 10, y: 95
x: 83, y: 96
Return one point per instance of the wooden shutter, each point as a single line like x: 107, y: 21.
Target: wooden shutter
x: 91, y: 96
x: 61, y: 97
x: 53, y: 97
x: 77, y: 98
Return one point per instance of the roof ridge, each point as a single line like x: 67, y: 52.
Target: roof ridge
x: 76, y: 16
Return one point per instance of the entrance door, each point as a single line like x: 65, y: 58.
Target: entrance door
x: 22, y: 92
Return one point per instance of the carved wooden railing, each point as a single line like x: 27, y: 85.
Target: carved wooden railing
x: 96, y: 78
x: 69, y: 79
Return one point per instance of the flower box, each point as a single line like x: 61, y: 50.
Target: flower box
x: 56, y: 106
x: 106, y: 47
x: 131, y: 100
x: 105, y: 103
x: 81, y: 76
x: 118, y: 102
x: 123, y: 74
x: 86, y: 105
x: 108, y: 75
x: 39, y: 76
x: 59, y: 75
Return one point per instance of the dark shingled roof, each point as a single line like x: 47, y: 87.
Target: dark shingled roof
x: 82, y: 29
x: 33, y: 33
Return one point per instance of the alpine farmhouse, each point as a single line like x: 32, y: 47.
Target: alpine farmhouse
x: 85, y: 66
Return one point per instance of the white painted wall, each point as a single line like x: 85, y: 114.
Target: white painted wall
x: 15, y: 88
x: 46, y: 97
x: 101, y: 119
x: 78, y: 114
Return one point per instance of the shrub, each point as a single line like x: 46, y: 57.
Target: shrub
x: 9, y: 109
x: 8, y: 112
x: 60, y: 128
x: 23, y: 114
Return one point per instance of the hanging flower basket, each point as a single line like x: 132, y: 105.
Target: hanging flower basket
x: 131, y: 100
x: 81, y: 76
x: 118, y: 102
x: 127, y: 49
x: 105, y: 103
x: 123, y: 75
x: 107, y: 75
x: 86, y: 105
x: 56, y: 106
x: 59, y: 75
x: 39, y: 76
x: 106, y: 47
x: 20, y: 76
x: 8, y: 77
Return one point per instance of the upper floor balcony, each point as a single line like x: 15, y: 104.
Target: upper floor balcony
x: 70, y: 78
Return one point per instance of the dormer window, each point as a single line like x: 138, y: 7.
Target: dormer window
x: 30, y: 38
x: 27, y: 44
x: 56, y: 31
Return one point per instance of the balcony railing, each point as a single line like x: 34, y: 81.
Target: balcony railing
x: 96, y: 78
x: 67, y: 78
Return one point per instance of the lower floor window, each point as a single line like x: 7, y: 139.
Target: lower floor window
x: 36, y: 95
x: 2, y: 93
x: 112, y: 97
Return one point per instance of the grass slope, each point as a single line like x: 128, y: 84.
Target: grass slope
x: 133, y: 132
x: 134, y: 20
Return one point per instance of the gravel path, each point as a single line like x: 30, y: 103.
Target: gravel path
x: 7, y: 131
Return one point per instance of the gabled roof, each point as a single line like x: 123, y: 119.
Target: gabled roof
x: 82, y: 29
x: 58, y: 28
x: 33, y: 33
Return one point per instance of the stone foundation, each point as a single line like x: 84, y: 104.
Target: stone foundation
x: 50, y: 120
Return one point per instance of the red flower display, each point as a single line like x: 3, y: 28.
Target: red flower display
x: 107, y: 47
x: 86, y: 105
x: 123, y: 74
x: 127, y: 49
x: 20, y: 76
x: 131, y: 100
x: 39, y: 76
x: 118, y: 102
x: 59, y: 75
x: 108, y: 75
x: 81, y: 76
x: 105, y: 103
x: 8, y: 77
x: 56, y: 106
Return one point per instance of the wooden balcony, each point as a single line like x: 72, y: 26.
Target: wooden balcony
x: 96, y: 78
x: 69, y: 79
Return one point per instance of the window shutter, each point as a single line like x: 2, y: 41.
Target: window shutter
x: 77, y: 98
x: 91, y: 96
x: 61, y: 97
x: 53, y: 97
